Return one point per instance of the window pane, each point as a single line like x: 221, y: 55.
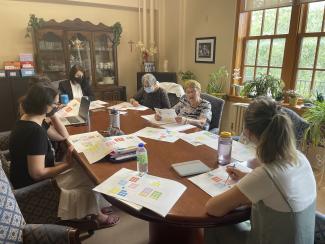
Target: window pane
x: 277, y: 52
x: 315, y: 17
x: 250, y: 54
x: 303, y: 82
x: 321, y: 54
x: 319, y: 82
x: 248, y: 73
x: 263, y: 52
x: 284, y: 17
x: 275, y: 72
x: 260, y: 71
x: 307, y: 53
x: 256, y: 23
x: 269, y: 22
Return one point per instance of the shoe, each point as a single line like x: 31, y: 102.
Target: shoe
x: 111, y: 220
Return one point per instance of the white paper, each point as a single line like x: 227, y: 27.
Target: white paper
x: 152, y: 120
x: 167, y: 115
x: 177, y: 127
x: 202, y: 138
x: 97, y: 104
x: 126, y: 105
x: 242, y: 152
x: 92, y: 144
x: 71, y: 109
x: 158, y: 134
x: 123, y: 142
x: 152, y: 192
x: 217, y: 181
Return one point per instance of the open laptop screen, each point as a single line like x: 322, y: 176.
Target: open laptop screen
x: 84, y: 108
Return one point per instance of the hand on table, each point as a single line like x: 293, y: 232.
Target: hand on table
x: 235, y: 173
x: 157, y: 117
x: 179, y: 119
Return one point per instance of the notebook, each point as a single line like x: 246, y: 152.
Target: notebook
x: 188, y: 168
x: 82, y: 115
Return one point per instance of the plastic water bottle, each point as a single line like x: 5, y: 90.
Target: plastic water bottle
x: 114, y: 119
x: 142, y: 159
x: 224, y: 148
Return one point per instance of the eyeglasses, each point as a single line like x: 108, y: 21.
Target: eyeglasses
x: 55, y: 105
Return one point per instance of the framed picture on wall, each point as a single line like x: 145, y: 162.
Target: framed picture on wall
x: 205, y: 50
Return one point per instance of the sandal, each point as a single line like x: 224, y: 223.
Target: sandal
x: 107, y: 210
x: 111, y: 220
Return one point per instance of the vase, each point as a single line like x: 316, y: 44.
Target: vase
x: 293, y: 101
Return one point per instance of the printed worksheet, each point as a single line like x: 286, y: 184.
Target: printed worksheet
x: 98, y: 104
x: 167, y: 115
x: 126, y: 106
x: 152, y: 120
x: 91, y: 144
x: 152, y: 192
x: 124, y: 142
x: 217, y: 181
x: 71, y: 109
x: 177, y: 127
x: 158, y: 134
x: 242, y: 152
x: 202, y: 138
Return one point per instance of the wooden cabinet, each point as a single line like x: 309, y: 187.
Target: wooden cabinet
x: 59, y: 46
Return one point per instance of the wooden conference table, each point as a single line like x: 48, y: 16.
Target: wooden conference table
x: 185, y: 221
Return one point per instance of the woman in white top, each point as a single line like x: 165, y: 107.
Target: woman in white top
x: 77, y: 85
x: 282, y: 191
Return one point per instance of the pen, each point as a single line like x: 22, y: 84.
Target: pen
x: 229, y: 174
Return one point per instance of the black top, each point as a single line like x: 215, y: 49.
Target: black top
x: 65, y: 88
x: 28, y: 138
x: 156, y: 99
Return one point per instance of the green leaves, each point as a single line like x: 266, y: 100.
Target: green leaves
x: 33, y: 24
x: 117, y: 30
x: 218, y: 80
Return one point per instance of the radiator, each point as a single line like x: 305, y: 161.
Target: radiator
x: 238, y: 119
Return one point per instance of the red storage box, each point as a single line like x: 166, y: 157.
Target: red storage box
x: 26, y: 64
x: 11, y: 65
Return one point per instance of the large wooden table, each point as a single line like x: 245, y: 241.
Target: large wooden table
x: 185, y: 221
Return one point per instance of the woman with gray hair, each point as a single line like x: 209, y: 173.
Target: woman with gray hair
x: 151, y: 95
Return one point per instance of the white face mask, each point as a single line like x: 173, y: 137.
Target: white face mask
x: 149, y: 89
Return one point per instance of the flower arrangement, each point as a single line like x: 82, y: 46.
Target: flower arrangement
x: 146, y: 53
x: 293, y: 97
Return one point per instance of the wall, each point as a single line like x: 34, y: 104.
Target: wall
x: 14, y: 16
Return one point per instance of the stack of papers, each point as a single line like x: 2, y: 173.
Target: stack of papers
x: 158, y: 134
x: 92, y: 145
x: 152, y: 192
x: 216, y: 181
x: 126, y: 106
x: 97, y: 104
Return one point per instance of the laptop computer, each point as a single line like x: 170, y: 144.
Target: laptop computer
x: 82, y: 116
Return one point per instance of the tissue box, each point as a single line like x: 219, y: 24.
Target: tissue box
x: 26, y: 57
x: 27, y: 72
x: 12, y: 73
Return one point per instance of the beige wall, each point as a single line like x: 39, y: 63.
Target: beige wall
x: 14, y: 16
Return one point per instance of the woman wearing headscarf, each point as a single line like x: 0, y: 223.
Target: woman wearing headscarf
x: 151, y: 95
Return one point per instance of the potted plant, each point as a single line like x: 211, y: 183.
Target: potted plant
x: 316, y: 119
x: 293, y: 97
x: 187, y: 75
x: 263, y: 85
x: 217, y: 82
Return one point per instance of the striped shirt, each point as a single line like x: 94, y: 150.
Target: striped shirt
x: 203, y: 110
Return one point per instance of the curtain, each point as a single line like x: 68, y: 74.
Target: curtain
x: 251, y: 5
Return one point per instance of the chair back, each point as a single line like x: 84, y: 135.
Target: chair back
x: 11, y: 220
x: 299, y: 124
x: 320, y: 228
x: 217, y: 109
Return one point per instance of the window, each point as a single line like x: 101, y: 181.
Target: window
x: 311, y: 65
x: 286, y: 42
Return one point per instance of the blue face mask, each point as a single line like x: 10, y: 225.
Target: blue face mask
x: 149, y: 89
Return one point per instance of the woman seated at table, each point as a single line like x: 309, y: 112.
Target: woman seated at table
x: 77, y: 85
x: 33, y: 157
x: 282, y: 189
x: 192, y: 109
x: 151, y: 95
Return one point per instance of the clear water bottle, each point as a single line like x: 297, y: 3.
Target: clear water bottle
x: 224, y: 148
x: 142, y: 159
x: 114, y: 119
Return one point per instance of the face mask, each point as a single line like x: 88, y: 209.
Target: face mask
x: 149, y: 89
x: 77, y: 79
